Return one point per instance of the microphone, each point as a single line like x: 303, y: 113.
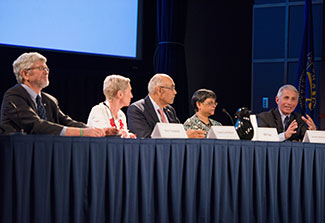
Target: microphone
x: 17, y: 114
x: 225, y: 111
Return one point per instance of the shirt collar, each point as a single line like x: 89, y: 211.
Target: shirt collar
x: 31, y: 93
x: 155, y: 105
x: 283, y: 116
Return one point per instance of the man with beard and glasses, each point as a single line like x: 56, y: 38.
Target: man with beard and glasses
x: 26, y: 108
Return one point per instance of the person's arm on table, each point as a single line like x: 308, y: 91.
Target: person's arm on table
x: 92, y: 132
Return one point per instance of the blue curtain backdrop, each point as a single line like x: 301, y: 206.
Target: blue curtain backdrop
x: 170, y: 55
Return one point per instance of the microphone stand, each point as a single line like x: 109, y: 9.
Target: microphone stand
x: 225, y: 111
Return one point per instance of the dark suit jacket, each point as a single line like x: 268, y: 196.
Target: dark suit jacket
x: 272, y: 119
x: 18, y: 112
x: 142, y: 117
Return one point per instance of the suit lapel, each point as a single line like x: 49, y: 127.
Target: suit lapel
x: 150, y: 109
x: 169, y: 115
x: 292, y: 117
x: 278, y: 120
x: 25, y: 94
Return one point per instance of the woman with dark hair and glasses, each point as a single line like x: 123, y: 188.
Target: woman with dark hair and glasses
x: 204, y: 104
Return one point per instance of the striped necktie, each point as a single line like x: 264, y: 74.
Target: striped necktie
x: 286, y: 123
x: 40, y: 108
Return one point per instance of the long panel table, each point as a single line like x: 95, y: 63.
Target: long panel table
x: 81, y: 179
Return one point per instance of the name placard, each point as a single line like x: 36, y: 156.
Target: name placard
x: 314, y: 136
x: 267, y: 134
x: 168, y: 130
x: 222, y: 132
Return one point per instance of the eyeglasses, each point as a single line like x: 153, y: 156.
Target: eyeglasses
x: 172, y: 88
x: 40, y: 68
x: 211, y: 103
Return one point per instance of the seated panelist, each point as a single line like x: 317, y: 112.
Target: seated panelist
x: 289, y: 124
x: 26, y: 108
x: 108, y: 114
x: 204, y: 104
x: 156, y: 107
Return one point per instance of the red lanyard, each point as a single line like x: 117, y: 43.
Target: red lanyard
x: 112, y: 120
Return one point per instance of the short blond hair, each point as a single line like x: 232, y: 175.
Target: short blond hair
x: 114, y: 83
x: 25, y: 61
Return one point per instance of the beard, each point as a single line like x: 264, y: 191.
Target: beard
x: 43, y: 83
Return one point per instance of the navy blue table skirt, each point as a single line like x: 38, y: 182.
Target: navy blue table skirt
x: 78, y: 179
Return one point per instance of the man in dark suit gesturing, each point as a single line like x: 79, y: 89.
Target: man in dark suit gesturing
x: 26, y: 108
x: 289, y: 124
x: 145, y: 113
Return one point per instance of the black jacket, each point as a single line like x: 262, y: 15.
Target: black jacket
x: 142, y: 117
x: 18, y: 112
x: 272, y: 119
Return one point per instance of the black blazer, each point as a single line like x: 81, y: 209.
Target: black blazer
x: 142, y: 117
x: 18, y: 112
x: 272, y: 119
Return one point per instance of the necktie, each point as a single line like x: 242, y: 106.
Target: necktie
x: 40, y: 108
x: 161, y: 112
x: 286, y: 123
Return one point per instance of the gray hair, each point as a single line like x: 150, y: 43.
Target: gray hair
x: 155, y: 81
x: 25, y: 61
x: 287, y: 87
x: 114, y: 83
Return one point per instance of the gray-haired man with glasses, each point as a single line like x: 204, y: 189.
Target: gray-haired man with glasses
x: 25, y: 108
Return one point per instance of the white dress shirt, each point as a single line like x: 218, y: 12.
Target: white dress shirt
x: 156, y: 107
x: 282, y: 134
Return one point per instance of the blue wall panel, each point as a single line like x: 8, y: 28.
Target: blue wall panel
x: 269, y: 30
x: 268, y: 1
x: 269, y: 77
